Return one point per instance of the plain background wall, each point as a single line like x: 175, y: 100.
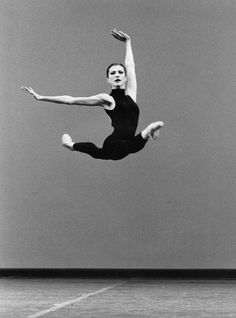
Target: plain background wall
x: 173, y: 205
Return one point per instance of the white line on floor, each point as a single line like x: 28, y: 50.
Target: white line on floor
x: 69, y: 302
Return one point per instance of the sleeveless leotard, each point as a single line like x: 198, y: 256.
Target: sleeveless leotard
x: 125, y: 115
x: 122, y: 142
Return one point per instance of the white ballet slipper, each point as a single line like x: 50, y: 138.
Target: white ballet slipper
x: 152, y: 131
x: 67, y: 142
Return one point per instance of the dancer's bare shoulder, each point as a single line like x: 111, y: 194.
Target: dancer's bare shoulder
x: 107, y: 101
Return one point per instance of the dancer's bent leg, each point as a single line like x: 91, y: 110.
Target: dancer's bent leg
x: 152, y: 130
x: 121, y: 148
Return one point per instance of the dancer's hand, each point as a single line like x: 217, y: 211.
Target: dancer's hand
x: 119, y: 35
x: 31, y: 91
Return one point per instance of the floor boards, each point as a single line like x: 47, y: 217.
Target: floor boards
x: 101, y: 298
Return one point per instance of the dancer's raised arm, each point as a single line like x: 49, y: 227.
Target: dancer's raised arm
x: 103, y: 100
x: 131, y: 88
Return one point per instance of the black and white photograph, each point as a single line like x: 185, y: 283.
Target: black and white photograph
x: 118, y: 158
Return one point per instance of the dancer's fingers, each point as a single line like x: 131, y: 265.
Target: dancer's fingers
x: 25, y: 88
x: 117, y: 37
x: 115, y: 33
x: 124, y: 34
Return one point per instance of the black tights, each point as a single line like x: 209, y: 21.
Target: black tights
x: 113, y: 147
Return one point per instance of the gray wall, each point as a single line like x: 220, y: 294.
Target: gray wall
x: 173, y: 205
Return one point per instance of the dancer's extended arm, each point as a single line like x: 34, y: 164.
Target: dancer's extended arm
x: 103, y: 100
x: 131, y: 88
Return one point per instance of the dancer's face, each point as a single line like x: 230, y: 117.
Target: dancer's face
x: 117, y: 77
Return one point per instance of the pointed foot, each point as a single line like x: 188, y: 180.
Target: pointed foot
x: 67, y: 142
x: 152, y: 130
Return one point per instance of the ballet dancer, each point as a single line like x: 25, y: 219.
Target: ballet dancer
x: 120, y: 105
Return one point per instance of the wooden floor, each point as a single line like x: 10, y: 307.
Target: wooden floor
x: 74, y: 297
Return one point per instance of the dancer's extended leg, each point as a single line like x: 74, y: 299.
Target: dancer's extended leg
x: 85, y: 147
x: 90, y: 149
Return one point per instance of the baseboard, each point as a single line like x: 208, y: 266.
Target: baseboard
x: 119, y: 273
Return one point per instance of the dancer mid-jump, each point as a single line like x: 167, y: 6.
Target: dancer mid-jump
x: 120, y: 106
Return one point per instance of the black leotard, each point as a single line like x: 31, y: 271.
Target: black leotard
x: 125, y: 115
x: 122, y: 141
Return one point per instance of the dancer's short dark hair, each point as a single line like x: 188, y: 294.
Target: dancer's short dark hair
x: 114, y: 64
